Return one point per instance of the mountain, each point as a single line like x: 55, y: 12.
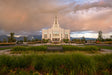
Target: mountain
x: 3, y: 37
x: 85, y: 38
x: 30, y: 37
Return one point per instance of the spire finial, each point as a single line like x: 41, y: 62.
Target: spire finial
x: 55, y: 21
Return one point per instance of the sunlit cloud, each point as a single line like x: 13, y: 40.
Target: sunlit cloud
x: 25, y: 17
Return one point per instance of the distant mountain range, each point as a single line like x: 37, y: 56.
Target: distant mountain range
x: 85, y: 38
x: 30, y: 37
x: 3, y: 37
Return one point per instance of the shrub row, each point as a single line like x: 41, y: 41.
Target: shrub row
x: 65, y: 48
x: 74, y: 64
x: 83, y: 48
x: 30, y: 48
x: 7, y: 44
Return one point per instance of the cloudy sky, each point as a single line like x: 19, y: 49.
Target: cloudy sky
x: 82, y: 17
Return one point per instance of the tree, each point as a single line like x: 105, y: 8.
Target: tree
x: 45, y: 40
x: 25, y: 39
x: 111, y: 37
x: 100, y: 38
x: 36, y: 40
x: 76, y: 40
x: 29, y: 40
x: 33, y: 40
x: 66, y: 40
x: 11, y: 38
x: 4, y: 40
x: 83, y: 39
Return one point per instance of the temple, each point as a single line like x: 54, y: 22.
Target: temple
x: 56, y: 33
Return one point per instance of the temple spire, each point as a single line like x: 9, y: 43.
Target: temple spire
x: 56, y: 20
x: 56, y: 24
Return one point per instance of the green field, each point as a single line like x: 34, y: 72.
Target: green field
x: 5, y: 48
x: 56, y: 64
x: 43, y: 49
x: 65, y: 48
x: 105, y: 47
x: 74, y: 60
x: 102, y: 47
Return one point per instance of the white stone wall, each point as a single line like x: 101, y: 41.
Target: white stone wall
x: 50, y: 33
x: 56, y: 32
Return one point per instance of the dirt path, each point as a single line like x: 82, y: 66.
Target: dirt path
x: 7, y: 51
x: 106, y: 51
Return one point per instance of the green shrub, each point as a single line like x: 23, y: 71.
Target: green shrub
x: 65, y: 48
x: 4, y: 71
x: 23, y: 73
x: 7, y: 44
x: 57, y: 64
x: 19, y: 48
x: 21, y: 62
x: 30, y: 48
x: 37, y: 48
x: 15, y: 61
x: 77, y: 48
x: 104, y: 62
x: 65, y: 64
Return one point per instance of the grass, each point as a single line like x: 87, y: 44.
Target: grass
x: 5, y: 48
x: 56, y: 52
x: 29, y: 48
x: 83, y: 48
x: 65, y: 48
x: 102, y: 47
x: 56, y: 64
x: 43, y: 49
x: 105, y: 47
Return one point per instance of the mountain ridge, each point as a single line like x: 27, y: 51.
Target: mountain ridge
x: 30, y: 37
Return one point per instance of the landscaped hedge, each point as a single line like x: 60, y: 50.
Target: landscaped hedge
x: 37, y: 48
x: 7, y: 44
x: 83, y: 48
x: 65, y: 48
x: 57, y: 64
x: 30, y: 48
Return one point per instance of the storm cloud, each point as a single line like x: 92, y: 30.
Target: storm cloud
x: 33, y: 15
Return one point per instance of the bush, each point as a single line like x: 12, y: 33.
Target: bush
x: 65, y: 48
x: 84, y: 48
x: 15, y: 61
x: 30, y: 48
x: 19, y: 48
x: 38, y: 48
x: 104, y: 62
x: 64, y: 64
x: 7, y: 44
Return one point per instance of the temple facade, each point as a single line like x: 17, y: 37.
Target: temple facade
x: 56, y: 33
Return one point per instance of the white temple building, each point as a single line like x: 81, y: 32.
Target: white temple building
x: 56, y: 33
